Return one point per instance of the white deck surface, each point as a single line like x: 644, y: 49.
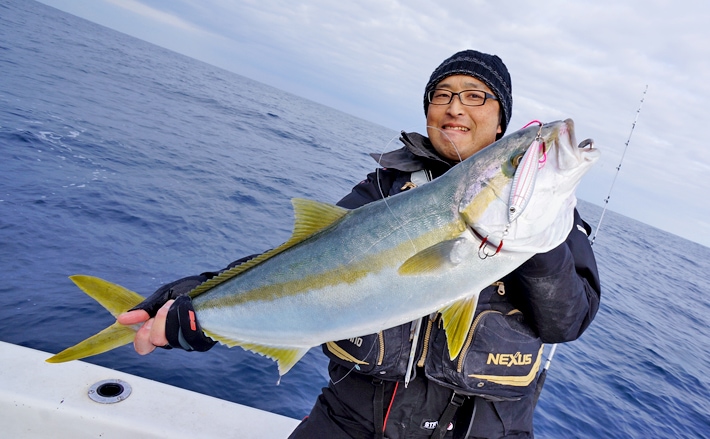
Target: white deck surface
x: 42, y: 400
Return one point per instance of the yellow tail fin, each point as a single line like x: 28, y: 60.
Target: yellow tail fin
x: 116, y: 300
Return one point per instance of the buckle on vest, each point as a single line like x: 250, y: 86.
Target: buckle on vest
x: 457, y: 399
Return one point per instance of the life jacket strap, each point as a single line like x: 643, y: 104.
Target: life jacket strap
x: 455, y: 403
x: 379, y: 406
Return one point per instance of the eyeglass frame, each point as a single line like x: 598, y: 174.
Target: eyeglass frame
x: 486, y: 96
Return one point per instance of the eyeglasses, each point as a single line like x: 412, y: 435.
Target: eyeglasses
x: 472, y: 98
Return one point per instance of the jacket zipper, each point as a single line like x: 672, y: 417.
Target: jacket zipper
x: 381, y: 356
x: 425, y: 348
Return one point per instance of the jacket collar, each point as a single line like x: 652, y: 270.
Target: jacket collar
x: 417, y: 153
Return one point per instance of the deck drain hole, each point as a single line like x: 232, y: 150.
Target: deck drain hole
x: 109, y: 391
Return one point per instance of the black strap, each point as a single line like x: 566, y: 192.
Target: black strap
x: 379, y: 406
x: 473, y: 416
x: 378, y: 403
x: 446, y: 417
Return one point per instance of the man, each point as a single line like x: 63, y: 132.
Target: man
x: 551, y: 298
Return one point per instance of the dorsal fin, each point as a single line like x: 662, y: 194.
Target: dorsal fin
x: 313, y: 216
x: 310, y: 218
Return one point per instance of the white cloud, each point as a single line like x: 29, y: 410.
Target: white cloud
x: 588, y: 59
x: 154, y: 14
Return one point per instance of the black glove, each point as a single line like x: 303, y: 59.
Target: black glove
x: 181, y: 327
x: 170, y: 291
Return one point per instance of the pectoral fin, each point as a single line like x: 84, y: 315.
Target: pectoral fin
x: 457, y: 319
x: 440, y: 256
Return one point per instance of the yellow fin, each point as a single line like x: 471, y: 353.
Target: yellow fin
x: 286, y: 357
x: 457, y: 319
x: 313, y: 216
x: 310, y: 218
x: 114, y: 298
x: 112, y: 337
x: 442, y: 255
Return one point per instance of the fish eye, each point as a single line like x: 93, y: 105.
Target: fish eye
x: 515, y: 161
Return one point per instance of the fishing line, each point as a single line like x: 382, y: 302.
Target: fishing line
x: 384, y: 198
x: 543, y: 374
x: 416, y: 324
x: 355, y: 366
x: 618, y: 168
x: 449, y: 139
x: 382, y: 193
x: 379, y: 183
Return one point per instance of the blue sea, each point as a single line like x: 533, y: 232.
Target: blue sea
x: 133, y: 163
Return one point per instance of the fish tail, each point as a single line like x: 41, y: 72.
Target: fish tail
x: 116, y: 299
x: 112, y: 337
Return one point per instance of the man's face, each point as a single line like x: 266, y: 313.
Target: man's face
x: 458, y: 131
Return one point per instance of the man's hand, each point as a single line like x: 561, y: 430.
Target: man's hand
x: 168, y: 318
x: 152, y: 333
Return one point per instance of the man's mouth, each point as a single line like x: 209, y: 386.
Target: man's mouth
x: 455, y: 128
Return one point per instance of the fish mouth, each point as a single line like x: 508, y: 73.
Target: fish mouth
x: 561, y: 165
x: 569, y: 153
x: 568, y: 127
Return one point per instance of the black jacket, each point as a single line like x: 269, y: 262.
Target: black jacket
x: 557, y: 293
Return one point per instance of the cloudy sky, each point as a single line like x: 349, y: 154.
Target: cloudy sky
x: 589, y: 60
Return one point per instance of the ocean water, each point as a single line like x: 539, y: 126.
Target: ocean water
x: 139, y: 165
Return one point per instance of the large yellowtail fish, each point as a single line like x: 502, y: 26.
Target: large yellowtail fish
x: 347, y: 273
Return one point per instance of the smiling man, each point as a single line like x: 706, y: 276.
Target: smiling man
x: 551, y: 298
x: 463, y: 117
x: 468, y: 103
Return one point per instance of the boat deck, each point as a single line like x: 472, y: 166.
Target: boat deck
x: 42, y: 400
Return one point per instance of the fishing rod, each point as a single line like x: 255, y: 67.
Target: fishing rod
x: 543, y: 374
x: 618, y: 168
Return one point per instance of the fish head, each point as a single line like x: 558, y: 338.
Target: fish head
x: 547, y: 214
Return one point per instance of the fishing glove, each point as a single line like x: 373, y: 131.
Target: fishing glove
x: 182, y: 329
x: 170, y: 291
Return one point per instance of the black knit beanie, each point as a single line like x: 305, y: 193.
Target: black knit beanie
x: 487, y: 68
